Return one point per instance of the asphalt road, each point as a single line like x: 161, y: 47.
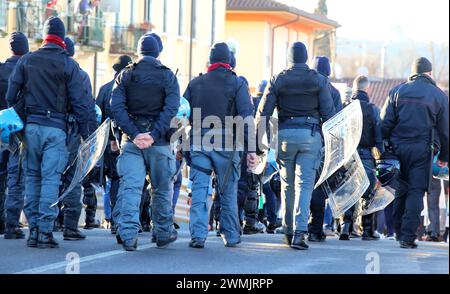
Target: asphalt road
x: 260, y: 254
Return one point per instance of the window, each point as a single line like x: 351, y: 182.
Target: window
x: 148, y: 11
x: 180, y: 17
x: 194, y: 19
x: 165, y: 16
x: 3, y: 15
x: 133, y: 12
x: 213, y: 22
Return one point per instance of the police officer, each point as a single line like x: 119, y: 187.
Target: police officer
x: 318, y: 200
x: 302, y: 98
x: 249, y: 191
x: 51, y: 83
x: 145, y: 99
x: 112, y: 150
x: 371, y: 138
x: 219, y: 93
x: 414, y: 114
x: 9, y: 162
x: 71, y: 209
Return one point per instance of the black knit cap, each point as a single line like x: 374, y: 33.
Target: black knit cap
x: 121, y: 62
x: 298, y: 53
x: 55, y: 26
x: 18, y: 43
x: 220, y: 53
x: 421, y: 65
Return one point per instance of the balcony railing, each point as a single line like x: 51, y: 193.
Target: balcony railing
x: 87, y: 30
x: 91, y: 32
x: 124, y: 39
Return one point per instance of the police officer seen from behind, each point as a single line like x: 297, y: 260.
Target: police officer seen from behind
x: 318, y: 200
x: 145, y: 99
x: 112, y: 150
x: 415, y: 113
x: 71, y: 209
x: 302, y: 98
x: 219, y: 93
x: 51, y: 84
x: 10, y: 175
x: 371, y: 138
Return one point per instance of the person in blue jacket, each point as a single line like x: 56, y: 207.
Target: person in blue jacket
x: 145, y: 99
x: 52, y: 86
x: 11, y: 205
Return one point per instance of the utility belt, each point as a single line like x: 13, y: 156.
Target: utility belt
x: 46, y: 113
x: 301, y: 122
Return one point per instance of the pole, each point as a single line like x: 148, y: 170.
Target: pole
x: 191, y: 39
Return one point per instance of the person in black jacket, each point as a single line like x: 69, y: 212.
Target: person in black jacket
x: 51, y: 84
x: 11, y: 205
x: 318, y: 200
x: 303, y: 100
x: 371, y: 138
x: 112, y: 150
x: 414, y: 115
x: 220, y: 93
x: 145, y: 99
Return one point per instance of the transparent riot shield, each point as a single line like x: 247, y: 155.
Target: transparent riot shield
x: 341, y: 134
x: 382, y: 198
x: 346, y: 186
x: 89, y: 153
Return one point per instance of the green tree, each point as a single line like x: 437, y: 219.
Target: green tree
x: 322, y: 8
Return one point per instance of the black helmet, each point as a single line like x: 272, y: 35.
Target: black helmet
x: 388, y: 170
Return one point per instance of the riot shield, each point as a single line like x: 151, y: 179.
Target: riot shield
x: 89, y: 153
x: 341, y: 134
x: 346, y: 186
x: 382, y: 198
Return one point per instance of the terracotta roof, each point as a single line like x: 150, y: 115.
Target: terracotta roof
x: 379, y: 89
x: 271, y: 5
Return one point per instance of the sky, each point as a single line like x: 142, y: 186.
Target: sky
x: 387, y: 20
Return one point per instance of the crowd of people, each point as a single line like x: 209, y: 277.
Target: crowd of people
x: 142, y: 172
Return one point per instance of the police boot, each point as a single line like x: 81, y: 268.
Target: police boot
x: 313, y: 237
x: 257, y: 228
x: 46, y: 240
x: 130, y: 245
x: 13, y: 233
x: 197, y: 243
x: 33, y: 238
x: 299, y: 241
x: 368, y: 234
x: 73, y: 235
x: 91, y: 224
x: 164, y: 243
x: 271, y: 228
x: 288, y: 239
x: 408, y: 245
x: 119, y: 239
x: 2, y: 227
x: 345, y: 232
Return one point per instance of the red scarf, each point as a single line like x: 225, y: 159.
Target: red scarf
x: 53, y: 39
x: 215, y: 66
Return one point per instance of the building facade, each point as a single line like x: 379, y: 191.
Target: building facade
x: 106, y: 29
x: 263, y: 31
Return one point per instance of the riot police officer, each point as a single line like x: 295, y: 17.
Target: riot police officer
x: 414, y: 114
x: 10, y: 175
x: 318, y: 200
x: 220, y: 93
x: 302, y: 97
x: 51, y: 83
x: 71, y: 209
x: 112, y: 150
x: 145, y: 99
x: 371, y: 138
